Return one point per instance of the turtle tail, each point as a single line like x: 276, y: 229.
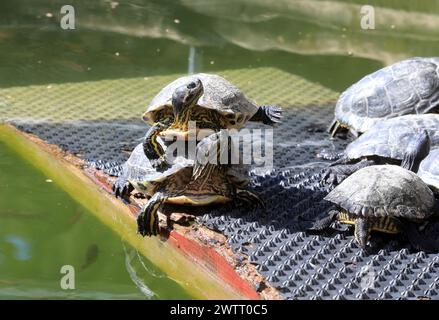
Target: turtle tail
x: 270, y: 115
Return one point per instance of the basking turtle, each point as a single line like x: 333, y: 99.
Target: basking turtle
x: 429, y: 170
x: 405, y: 139
x: 407, y: 87
x: 209, y: 100
x: 186, y: 182
x: 377, y: 198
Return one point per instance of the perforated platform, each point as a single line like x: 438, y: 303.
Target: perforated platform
x: 87, y: 120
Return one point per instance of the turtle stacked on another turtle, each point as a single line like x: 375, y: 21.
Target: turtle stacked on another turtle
x: 387, y: 108
x: 214, y: 104
x: 387, y: 143
x: 219, y: 105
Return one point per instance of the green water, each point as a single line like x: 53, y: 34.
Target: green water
x: 42, y: 229
x: 320, y: 40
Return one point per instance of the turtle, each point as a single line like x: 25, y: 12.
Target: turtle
x: 210, y: 101
x: 407, y: 87
x: 405, y: 140
x: 379, y: 198
x: 429, y: 170
x: 185, y: 182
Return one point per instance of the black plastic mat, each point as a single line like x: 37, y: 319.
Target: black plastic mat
x: 301, y: 265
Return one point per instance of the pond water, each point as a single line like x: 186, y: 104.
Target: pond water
x: 41, y: 227
x: 322, y: 41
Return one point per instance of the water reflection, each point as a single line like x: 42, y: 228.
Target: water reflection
x: 321, y: 40
x: 21, y: 247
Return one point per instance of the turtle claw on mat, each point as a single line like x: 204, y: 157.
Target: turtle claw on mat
x: 122, y: 189
x: 250, y: 199
x: 272, y: 115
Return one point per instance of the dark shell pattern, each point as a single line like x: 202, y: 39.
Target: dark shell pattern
x: 407, y: 87
x: 385, y: 190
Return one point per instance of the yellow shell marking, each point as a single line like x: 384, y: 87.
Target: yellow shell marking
x: 380, y: 224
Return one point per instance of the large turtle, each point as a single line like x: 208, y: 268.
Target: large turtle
x: 405, y: 139
x: 376, y: 198
x: 407, y: 87
x: 185, y: 182
x: 209, y: 100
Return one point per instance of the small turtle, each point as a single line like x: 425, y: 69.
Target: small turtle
x: 429, y: 170
x: 378, y: 198
x: 405, y: 139
x: 186, y: 183
x: 209, y: 100
x: 407, y: 87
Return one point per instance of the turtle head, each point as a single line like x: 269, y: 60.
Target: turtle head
x: 184, y: 98
x: 417, y: 149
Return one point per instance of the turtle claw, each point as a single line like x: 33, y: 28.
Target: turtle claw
x: 250, y: 199
x: 148, y: 220
x: 160, y: 164
x: 122, y: 189
x: 270, y: 115
x: 273, y: 115
x: 333, y: 176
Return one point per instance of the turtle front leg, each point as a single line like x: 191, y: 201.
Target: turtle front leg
x: 334, y: 175
x: 148, y: 220
x: 417, y: 149
x: 362, y: 231
x: 250, y: 198
x: 153, y: 148
x: 122, y: 188
x: 325, y: 222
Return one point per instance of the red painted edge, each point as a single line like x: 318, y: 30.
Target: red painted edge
x: 201, y: 254
x: 214, y: 262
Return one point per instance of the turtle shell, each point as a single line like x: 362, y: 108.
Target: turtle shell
x: 429, y: 170
x: 219, y: 94
x: 384, y: 191
x: 390, y: 138
x: 407, y: 87
x: 139, y: 168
